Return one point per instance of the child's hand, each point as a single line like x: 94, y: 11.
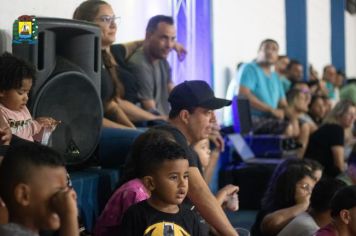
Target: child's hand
x: 5, y: 131
x: 215, y: 135
x: 64, y: 203
x: 302, y: 194
x: 225, y: 194
x: 5, y: 135
x: 47, y: 122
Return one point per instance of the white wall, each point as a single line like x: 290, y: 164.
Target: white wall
x: 239, y: 26
x: 134, y: 14
x: 350, y: 47
x: 319, y: 33
x: 242, y: 25
x: 9, y: 12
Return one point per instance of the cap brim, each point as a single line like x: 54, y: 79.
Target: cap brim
x: 215, y: 103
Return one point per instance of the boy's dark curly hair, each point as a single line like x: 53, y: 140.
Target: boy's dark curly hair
x: 21, y: 162
x: 13, y: 70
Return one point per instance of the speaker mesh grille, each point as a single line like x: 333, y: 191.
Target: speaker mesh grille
x: 71, y: 98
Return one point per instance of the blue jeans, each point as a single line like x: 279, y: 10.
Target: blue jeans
x: 114, y: 146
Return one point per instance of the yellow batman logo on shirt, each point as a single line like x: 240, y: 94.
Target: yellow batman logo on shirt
x: 165, y: 229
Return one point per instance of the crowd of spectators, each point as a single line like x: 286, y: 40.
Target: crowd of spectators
x: 166, y: 140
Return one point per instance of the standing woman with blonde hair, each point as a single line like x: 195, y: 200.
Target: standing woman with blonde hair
x: 326, y: 145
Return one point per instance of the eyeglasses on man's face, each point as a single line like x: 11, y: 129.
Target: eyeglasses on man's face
x: 109, y: 19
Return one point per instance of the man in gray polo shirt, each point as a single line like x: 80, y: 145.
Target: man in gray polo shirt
x: 150, y: 66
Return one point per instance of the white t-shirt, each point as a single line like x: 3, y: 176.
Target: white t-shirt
x: 13, y: 229
x: 301, y: 225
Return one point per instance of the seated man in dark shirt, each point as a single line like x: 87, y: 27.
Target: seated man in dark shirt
x: 192, y: 118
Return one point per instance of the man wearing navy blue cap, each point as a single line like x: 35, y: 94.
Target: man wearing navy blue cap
x: 192, y: 103
x: 192, y: 119
x: 195, y: 93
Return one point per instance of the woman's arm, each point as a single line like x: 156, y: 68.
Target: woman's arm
x: 274, y: 222
x: 111, y: 124
x: 136, y: 113
x: 131, y: 47
x: 303, y: 138
x: 338, y: 155
x: 114, y: 112
x: 118, y: 118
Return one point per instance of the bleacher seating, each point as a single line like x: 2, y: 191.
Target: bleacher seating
x: 93, y: 186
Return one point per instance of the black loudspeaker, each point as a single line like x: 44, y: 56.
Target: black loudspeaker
x: 67, y: 88
x: 351, y: 6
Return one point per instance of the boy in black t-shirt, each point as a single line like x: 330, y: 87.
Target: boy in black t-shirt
x: 166, y: 176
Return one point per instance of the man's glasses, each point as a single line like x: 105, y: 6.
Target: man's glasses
x: 109, y: 19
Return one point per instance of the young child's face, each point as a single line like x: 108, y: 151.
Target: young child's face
x: 43, y: 185
x: 203, y: 149
x: 16, y: 99
x: 171, y: 182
